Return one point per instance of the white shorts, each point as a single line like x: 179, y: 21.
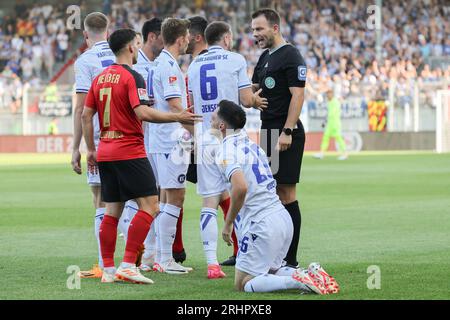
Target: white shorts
x: 171, y: 168
x: 210, y: 181
x: 93, y: 179
x: 152, y: 159
x: 264, y: 244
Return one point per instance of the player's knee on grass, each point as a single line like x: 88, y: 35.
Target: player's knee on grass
x: 240, y: 280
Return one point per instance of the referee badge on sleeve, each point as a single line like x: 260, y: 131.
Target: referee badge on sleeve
x: 302, y: 73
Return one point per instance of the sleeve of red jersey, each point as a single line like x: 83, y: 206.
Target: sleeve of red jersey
x: 137, y: 92
x: 90, y: 99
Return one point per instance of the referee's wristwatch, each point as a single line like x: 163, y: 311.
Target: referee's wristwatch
x: 287, y: 131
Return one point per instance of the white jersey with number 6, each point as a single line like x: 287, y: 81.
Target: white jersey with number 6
x: 238, y: 152
x: 216, y: 75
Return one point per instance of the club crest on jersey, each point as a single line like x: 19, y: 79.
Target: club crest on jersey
x: 302, y: 73
x: 181, y: 178
x: 269, y: 82
x: 142, y: 93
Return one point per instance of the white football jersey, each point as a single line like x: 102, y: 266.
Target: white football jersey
x: 238, y: 152
x: 89, y: 65
x: 216, y: 75
x: 146, y: 69
x: 168, y: 82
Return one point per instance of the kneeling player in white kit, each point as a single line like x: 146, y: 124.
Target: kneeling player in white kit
x: 264, y: 226
x: 213, y: 76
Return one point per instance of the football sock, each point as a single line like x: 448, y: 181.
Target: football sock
x: 99, y: 214
x: 127, y: 215
x: 285, y: 271
x: 138, y: 230
x: 225, y: 206
x: 270, y: 282
x: 209, y: 233
x: 108, y: 237
x: 178, y: 243
x: 294, y: 212
x: 167, y: 229
x: 157, y: 235
x: 150, y: 242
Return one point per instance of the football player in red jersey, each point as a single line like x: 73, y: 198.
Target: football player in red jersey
x: 120, y: 97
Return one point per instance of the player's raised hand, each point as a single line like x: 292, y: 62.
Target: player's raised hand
x: 259, y: 102
x: 76, y: 161
x: 226, y: 234
x: 189, y: 118
x: 92, y: 162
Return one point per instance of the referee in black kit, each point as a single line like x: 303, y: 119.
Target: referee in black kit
x: 281, y: 73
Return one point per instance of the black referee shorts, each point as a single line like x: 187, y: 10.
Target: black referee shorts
x: 191, y: 174
x: 286, y: 165
x: 126, y: 179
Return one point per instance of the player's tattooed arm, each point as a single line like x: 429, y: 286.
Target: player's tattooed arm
x: 77, y: 132
x: 238, y: 193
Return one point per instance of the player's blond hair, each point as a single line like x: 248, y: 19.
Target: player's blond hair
x: 96, y: 22
x: 173, y: 28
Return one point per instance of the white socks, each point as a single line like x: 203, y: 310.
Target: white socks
x: 167, y: 230
x: 150, y: 242
x: 99, y: 214
x: 128, y: 213
x: 270, y: 282
x: 157, y: 235
x: 209, y: 233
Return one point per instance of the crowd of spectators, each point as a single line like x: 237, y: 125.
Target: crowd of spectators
x: 33, y: 40
x: 335, y: 38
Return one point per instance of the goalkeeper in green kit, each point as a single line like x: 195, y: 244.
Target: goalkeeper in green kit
x: 333, y: 128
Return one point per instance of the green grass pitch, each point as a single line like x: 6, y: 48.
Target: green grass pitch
x: 387, y: 210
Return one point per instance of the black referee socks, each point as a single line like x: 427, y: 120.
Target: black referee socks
x: 294, y: 212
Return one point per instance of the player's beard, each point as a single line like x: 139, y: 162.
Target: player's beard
x: 190, y: 47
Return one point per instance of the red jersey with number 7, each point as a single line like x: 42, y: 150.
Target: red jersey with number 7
x: 114, y: 94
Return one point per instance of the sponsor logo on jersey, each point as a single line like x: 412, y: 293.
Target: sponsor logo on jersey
x: 302, y: 73
x: 269, y: 83
x: 142, y: 93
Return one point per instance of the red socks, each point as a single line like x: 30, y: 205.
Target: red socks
x: 108, y: 236
x: 137, y: 232
x: 178, y: 242
x: 225, y: 205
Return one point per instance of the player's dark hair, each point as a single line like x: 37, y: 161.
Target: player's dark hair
x: 172, y: 29
x: 120, y: 38
x: 153, y: 25
x: 198, y: 25
x: 215, y: 31
x: 232, y: 114
x: 271, y: 15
